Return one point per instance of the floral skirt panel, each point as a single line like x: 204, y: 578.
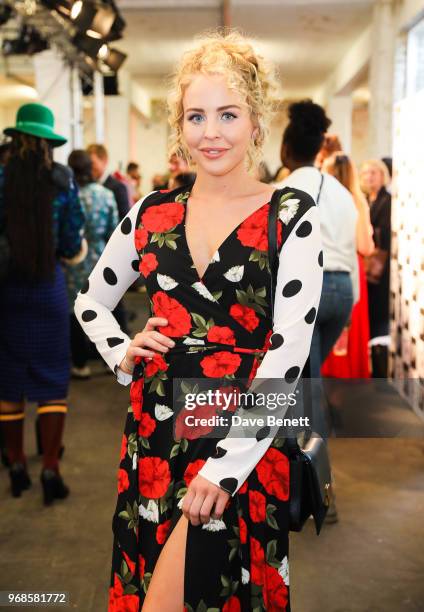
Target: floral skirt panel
x: 238, y: 563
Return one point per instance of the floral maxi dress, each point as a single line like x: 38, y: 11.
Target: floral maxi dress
x: 221, y: 324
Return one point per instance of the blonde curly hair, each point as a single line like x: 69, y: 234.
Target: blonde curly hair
x: 227, y: 53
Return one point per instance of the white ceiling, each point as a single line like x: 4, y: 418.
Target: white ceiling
x: 306, y: 39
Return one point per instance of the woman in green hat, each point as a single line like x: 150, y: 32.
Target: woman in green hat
x: 42, y: 220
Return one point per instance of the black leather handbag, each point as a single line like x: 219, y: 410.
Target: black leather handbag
x: 310, y: 473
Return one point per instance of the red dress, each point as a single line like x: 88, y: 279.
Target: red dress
x: 353, y: 362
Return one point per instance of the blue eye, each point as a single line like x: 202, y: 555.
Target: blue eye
x: 197, y: 118
x: 228, y: 116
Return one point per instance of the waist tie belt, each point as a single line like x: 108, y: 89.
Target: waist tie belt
x: 200, y: 348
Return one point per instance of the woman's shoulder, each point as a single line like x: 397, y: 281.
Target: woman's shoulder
x: 156, y: 198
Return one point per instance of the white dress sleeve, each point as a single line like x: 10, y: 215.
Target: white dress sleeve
x: 297, y: 296
x: 116, y: 270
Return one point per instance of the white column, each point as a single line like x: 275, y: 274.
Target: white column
x: 99, y: 107
x: 117, y: 131
x: 382, y: 78
x: 339, y: 110
x: 59, y: 89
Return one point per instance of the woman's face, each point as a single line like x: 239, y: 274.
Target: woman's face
x: 217, y: 127
x: 371, y: 178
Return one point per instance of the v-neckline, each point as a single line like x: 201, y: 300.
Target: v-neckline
x: 184, y: 198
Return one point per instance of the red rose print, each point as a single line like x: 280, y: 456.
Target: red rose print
x: 243, y: 488
x: 162, y: 532
x: 243, y: 530
x: 123, y: 481
x: 163, y: 217
x: 257, y: 562
x: 147, y: 264
x: 273, y: 473
x: 136, y: 398
x: 191, y: 431
x: 131, y: 564
x: 146, y: 426
x: 192, y: 470
x: 154, y: 477
x: 220, y: 363
x: 179, y: 319
x: 123, y: 447
x: 253, y: 232
x: 157, y: 364
x: 118, y: 602
x: 225, y: 335
x: 232, y: 605
x: 142, y: 565
x: 140, y: 237
x: 244, y: 315
x: 275, y: 591
x: 257, y: 506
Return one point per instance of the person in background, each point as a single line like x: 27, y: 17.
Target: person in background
x: 134, y: 181
x: 374, y: 177
x: 185, y: 178
x: 101, y: 218
x: 4, y: 153
x: 160, y: 182
x: 176, y: 165
x: 99, y: 163
x: 43, y: 222
x: 330, y: 145
x: 349, y: 356
x: 302, y: 140
x: 388, y: 162
x: 101, y: 173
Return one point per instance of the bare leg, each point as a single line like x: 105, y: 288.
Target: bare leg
x: 166, y: 588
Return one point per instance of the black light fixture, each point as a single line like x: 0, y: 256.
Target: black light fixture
x: 93, y: 18
x: 111, y: 57
x: 88, y: 45
x: 28, y: 42
x: 5, y: 13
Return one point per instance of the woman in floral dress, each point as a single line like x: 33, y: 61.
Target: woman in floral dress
x: 202, y: 524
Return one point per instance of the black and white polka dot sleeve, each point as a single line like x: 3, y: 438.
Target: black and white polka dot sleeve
x: 297, y: 295
x: 116, y: 270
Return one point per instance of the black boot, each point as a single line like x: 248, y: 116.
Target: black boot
x: 19, y: 479
x: 53, y: 486
x: 379, y: 358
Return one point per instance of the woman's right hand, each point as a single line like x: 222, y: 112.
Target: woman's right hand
x: 149, y: 338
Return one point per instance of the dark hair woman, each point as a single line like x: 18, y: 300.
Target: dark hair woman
x: 101, y: 218
x: 302, y: 140
x: 42, y: 219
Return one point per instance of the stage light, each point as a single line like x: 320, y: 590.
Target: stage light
x: 5, y: 13
x: 76, y: 9
x: 115, y: 59
x: 89, y: 46
x: 112, y: 58
x: 28, y: 42
x: 93, y: 19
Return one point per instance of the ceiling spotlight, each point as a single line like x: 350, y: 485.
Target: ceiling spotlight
x: 28, y: 42
x: 76, y: 9
x: 111, y: 57
x: 93, y: 18
x: 5, y: 13
x: 89, y: 46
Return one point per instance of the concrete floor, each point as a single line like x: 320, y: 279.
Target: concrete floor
x: 371, y: 561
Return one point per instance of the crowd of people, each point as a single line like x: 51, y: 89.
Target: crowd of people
x: 65, y: 215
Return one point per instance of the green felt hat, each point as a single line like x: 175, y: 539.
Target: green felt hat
x: 36, y: 120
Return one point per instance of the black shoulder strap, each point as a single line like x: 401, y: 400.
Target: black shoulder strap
x: 272, y: 243
x: 320, y: 188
